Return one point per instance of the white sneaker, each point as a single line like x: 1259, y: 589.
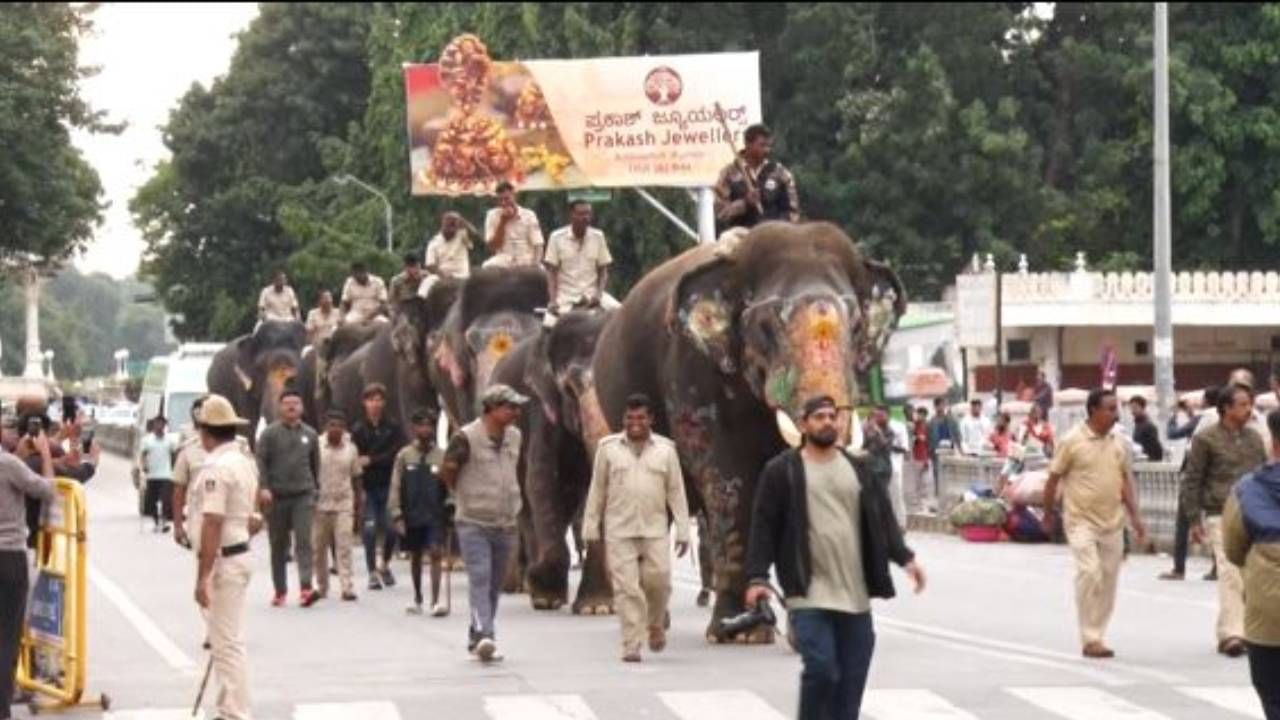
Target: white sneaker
x: 486, y: 649
x: 439, y: 610
x: 414, y: 609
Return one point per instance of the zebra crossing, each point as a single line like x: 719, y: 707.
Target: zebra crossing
x: 1067, y: 703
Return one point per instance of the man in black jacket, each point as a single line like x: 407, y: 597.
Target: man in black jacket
x: 831, y: 535
x: 378, y: 440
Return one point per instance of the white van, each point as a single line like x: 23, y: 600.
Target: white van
x: 172, y: 384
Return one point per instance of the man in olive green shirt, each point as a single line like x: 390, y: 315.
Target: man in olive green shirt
x: 288, y: 465
x: 1218, y: 458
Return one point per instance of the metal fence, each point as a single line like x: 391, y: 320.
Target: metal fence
x: 1156, y: 484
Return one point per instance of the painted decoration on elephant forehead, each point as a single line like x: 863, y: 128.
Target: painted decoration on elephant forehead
x: 668, y: 120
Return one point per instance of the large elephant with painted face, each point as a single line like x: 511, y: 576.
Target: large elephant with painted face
x: 725, y: 339
x: 554, y: 369
x: 495, y: 310
x: 252, y: 370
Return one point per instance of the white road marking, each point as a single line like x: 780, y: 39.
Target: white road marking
x: 1242, y: 700
x: 152, y: 634
x: 1084, y: 703
x: 911, y: 705
x: 166, y: 714
x: 720, y: 705
x: 537, y: 707
x: 347, y: 711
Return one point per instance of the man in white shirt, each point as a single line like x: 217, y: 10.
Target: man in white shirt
x: 323, y: 320
x: 364, y: 296
x: 974, y: 429
x: 277, y: 301
x: 577, y: 263
x: 512, y: 232
x: 448, y: 253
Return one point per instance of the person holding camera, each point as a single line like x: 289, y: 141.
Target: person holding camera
x: 636, y: 479
x: 829, y: 531
x: 17, y: 484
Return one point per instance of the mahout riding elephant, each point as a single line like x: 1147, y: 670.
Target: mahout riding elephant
x: 496, y: 308
x: 554, y: 369
x: 252, y: 370
x: 729, y: 341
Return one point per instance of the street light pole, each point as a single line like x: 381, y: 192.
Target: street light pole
x: 386, y: 204
x: 1162, y: 347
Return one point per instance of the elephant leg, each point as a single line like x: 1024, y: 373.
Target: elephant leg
x: 513, y: 583
x: 548, y: 573
x: 595, y: 588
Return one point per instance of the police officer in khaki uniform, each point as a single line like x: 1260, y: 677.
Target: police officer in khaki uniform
x: 191, y: 457
x: 223, y: 518
x: 636, y: 480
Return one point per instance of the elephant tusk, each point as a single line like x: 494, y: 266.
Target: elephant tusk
x: 787, y: 428
x: 245, y: 380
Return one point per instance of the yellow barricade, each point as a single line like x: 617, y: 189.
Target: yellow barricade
x: 52, y: 659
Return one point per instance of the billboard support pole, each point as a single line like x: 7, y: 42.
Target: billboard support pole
x: 706, y: 215
x: 667, y: 213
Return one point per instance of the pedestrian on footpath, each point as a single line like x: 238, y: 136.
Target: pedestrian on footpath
x: 338, y: 508
x: 942, y: 428
x: 156, y: 459
x: 829, y: 531
x: 636, y: 480
x: 417, y: 508
x: 1251, y: 541
x: 224, y: 519
x: 17, y: 483
x: 1094, y: 468
x: 918, y: 478
x: 289, y: 463
x: 1219, y: 457
x: 378, y: 440
x: 479, y: 468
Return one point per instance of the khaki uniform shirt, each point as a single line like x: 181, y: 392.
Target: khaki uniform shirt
x: 320, y: 327
x: 631, y: 493
x: 577, y: 264
x: 338, y: 466
x: 227, y: 485
x: 1093, y: 469
x: 366, y: 300
x: 1217, y: 459
x: 522, y: 238
x: 281, y: 305
x: 838, y: 581
x: 450, y: 258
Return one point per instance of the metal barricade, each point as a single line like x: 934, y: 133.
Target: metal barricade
x: 958, y: 473
x: 1157, y: 488
x: 52, y: 659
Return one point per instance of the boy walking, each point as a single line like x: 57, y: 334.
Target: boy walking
x: 417, y: 507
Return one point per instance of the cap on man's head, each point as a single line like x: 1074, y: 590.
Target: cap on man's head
x: 423, y: 416
x: 499, y: 394
x: 335, y: 416
x: 290, y: 392
x: 374, y: 388
x: 216, y: 411
x: 814, y: 404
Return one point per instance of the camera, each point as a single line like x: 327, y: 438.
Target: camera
x: 34, y: 426
x: 86, y: 443
x: 749, y: 619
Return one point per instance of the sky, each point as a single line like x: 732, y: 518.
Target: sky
x: 149, y: 54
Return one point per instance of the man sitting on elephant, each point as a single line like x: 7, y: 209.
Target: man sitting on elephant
x: 364, y: 297
x: 406, y: 284
x: 577, y: 264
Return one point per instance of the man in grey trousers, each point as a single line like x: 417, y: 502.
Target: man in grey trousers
x: 479, y: 467
x: 288, y: 464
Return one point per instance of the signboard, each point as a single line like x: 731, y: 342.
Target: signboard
x: 44, y: 617
x: 591, y: 195
x: 663, y: 120
x: 976, y: 310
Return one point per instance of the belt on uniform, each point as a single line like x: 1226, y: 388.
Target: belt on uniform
x: 233, y: 550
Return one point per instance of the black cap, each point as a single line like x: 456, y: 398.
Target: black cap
x: 814, y: 404
x: 422, y: 416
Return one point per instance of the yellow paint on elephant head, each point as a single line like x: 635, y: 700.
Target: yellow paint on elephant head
x: 500, y: 344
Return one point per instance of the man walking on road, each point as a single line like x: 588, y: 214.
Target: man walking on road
x: 289, y: 464
x: 636, y: 480
x: 829, y: 531
x: 1219, y: 457
x: 17, y: 483
x: 1093, y: 466
x: 416, y: 505
x: 480, y: 469
x: 156, y: 459
x: 378, y: 440
x: 1251, y: 541
x: 338, y: 507
x: 224, y: 518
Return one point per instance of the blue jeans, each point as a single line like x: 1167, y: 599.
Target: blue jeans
x: 376, y: 521
x: 486, y: 552
x: 836, y: 649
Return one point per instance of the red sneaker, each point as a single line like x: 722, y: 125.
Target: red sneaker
x: 308, y: 597
x: 278, y: 600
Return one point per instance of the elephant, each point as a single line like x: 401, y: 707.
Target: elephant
x: 495, y: 309
x: 729, y: 341
x: 554, y: 369
x: 252, y: 370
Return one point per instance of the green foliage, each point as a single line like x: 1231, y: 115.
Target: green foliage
x: 929, y: 131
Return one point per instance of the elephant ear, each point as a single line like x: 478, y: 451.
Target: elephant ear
x: 703, y: 309
x: 540, y: 376
x: 246, y: 351
x: 406, y: 339
x: 884, y: 303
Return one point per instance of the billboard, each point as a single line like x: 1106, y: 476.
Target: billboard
x: 560, y: 124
